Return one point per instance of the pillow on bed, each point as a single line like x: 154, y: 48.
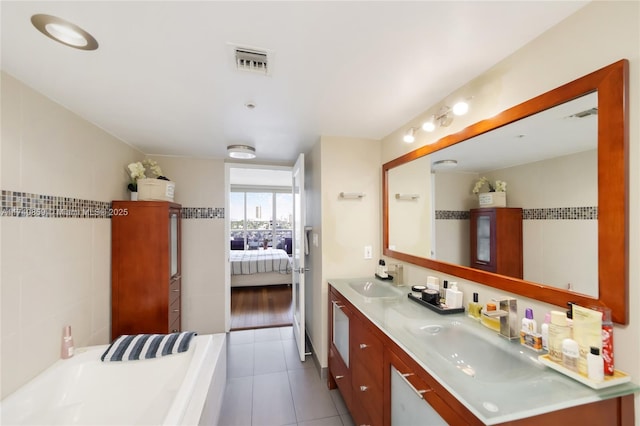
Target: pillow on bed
x: 145, y: 346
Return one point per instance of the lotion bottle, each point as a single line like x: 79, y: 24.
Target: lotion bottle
x: 453, y: 296
x: 529, y: 325
x: 67, y: 349
x: 544, y: 330
x: 558, y: 331
x: 474, y: 308
x: 595, y: 365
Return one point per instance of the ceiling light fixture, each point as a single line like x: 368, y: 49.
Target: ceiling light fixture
x: 445, y: 164
x: 410, y: 136
x: 242, y: 152
x: 64, y: 32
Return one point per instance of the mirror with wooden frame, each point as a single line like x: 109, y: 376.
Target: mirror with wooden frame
x: 610, y: 86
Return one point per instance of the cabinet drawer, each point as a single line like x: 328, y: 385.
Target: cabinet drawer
x: 367, y: 390
x: 341, y: 375
x: 367, y: 350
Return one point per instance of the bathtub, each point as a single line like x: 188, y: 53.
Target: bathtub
x: 181, y: 389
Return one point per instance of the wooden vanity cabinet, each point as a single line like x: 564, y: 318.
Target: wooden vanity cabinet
x: 496, y: 240
x: 373, y: 357
x: 145, y: 267
x: 340, y: 322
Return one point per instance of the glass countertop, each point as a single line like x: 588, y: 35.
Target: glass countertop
x: 498, y: 380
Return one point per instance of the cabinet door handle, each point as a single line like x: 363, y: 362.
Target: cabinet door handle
x: 364, y: 346
x: 176, y: 290
x: 418, y: 392
x: 337, y: 304
x: 363, y: 388
x: 176, y: 310
x: 339, y: 377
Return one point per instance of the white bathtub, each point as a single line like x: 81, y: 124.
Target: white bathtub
x: 181, y: 389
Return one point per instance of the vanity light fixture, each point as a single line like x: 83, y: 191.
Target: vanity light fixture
x: 444, y: 116
x: 410, y: 197
x: 351, y: 195
x: 64, y: 32
x: 410, y: 136
x: 242, y: 152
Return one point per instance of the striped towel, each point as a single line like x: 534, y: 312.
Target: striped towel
x: 144, y: 346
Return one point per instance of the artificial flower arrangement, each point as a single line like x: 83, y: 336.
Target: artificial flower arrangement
x: 138, y: 171
x: 498, y: 186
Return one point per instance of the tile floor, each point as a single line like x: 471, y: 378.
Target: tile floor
x: 268, y: 385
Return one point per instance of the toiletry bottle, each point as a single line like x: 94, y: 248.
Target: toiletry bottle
x: 490, y: 322
x: 453, y: 296
x: 558, y: 331
x: 544, y: 330
x: 570, y: 354
x: 474, y: 308
x: 67, y: 349
x: 443, y: 291
x: 595, y: 365
x: 607, y: 342
x: 381, y: 271
x: 529, y: 325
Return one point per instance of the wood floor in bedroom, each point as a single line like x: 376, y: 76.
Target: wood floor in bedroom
x: 260, y: 307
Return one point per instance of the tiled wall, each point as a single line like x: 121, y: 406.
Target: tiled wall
x: 59, y: 174
x: 556, y: 213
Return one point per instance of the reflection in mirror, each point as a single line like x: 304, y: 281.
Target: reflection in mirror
x: 410, y: 199
x: 558, y: 153
x: 556, y: 185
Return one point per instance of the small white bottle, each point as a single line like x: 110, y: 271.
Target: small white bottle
x: 544, y: 330
x: 529, y: 325
x: 67, y: 348
x: 595, y: 365
x: 453, y: 296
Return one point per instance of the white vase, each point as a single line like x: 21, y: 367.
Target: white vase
x: 492, y: 199
x: 134, y: 196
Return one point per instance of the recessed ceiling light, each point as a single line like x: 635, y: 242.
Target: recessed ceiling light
x: 242, y: 152
x: 64, y: 32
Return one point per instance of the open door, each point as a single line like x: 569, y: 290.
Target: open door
x: 299, y: 248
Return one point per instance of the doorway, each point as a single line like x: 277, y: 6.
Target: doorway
x: 259, y: 229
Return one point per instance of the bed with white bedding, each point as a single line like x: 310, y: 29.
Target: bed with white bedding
x: 259, y: 267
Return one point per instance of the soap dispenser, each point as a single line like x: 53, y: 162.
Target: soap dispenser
x: 381, y: 271
x: 67, y: 348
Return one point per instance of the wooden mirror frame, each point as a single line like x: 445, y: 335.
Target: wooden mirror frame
x: 610, y: 83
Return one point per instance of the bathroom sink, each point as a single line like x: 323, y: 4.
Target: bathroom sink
x: 473, y: 355
x: 374, y: 289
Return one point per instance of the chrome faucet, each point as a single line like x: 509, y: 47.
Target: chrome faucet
x: 396, y: 271
x: 508, y: 313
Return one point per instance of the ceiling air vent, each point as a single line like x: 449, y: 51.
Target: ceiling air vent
x: 251, y: 60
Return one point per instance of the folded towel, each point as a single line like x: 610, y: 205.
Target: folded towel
x: 145, y: 346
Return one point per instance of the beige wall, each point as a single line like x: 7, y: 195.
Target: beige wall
x: 55, y: 271
x: 344, y: 226
x: 200, y: 183
x: 597, y: 35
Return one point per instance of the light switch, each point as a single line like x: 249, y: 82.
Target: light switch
x: 368, y: 252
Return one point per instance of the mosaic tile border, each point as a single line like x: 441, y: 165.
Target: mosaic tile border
x: 561, y: 213
x: 26, y: 204
x: 203, y: 212
x: 452, y: 215
x: 553, y: 213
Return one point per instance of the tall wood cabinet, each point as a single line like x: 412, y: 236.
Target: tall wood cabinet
x: 145, y: 267
x: 496, y: 240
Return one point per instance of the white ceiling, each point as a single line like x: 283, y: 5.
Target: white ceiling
x: 163, y: 78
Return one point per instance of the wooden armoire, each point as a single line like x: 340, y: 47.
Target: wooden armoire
x: 145, y: 267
